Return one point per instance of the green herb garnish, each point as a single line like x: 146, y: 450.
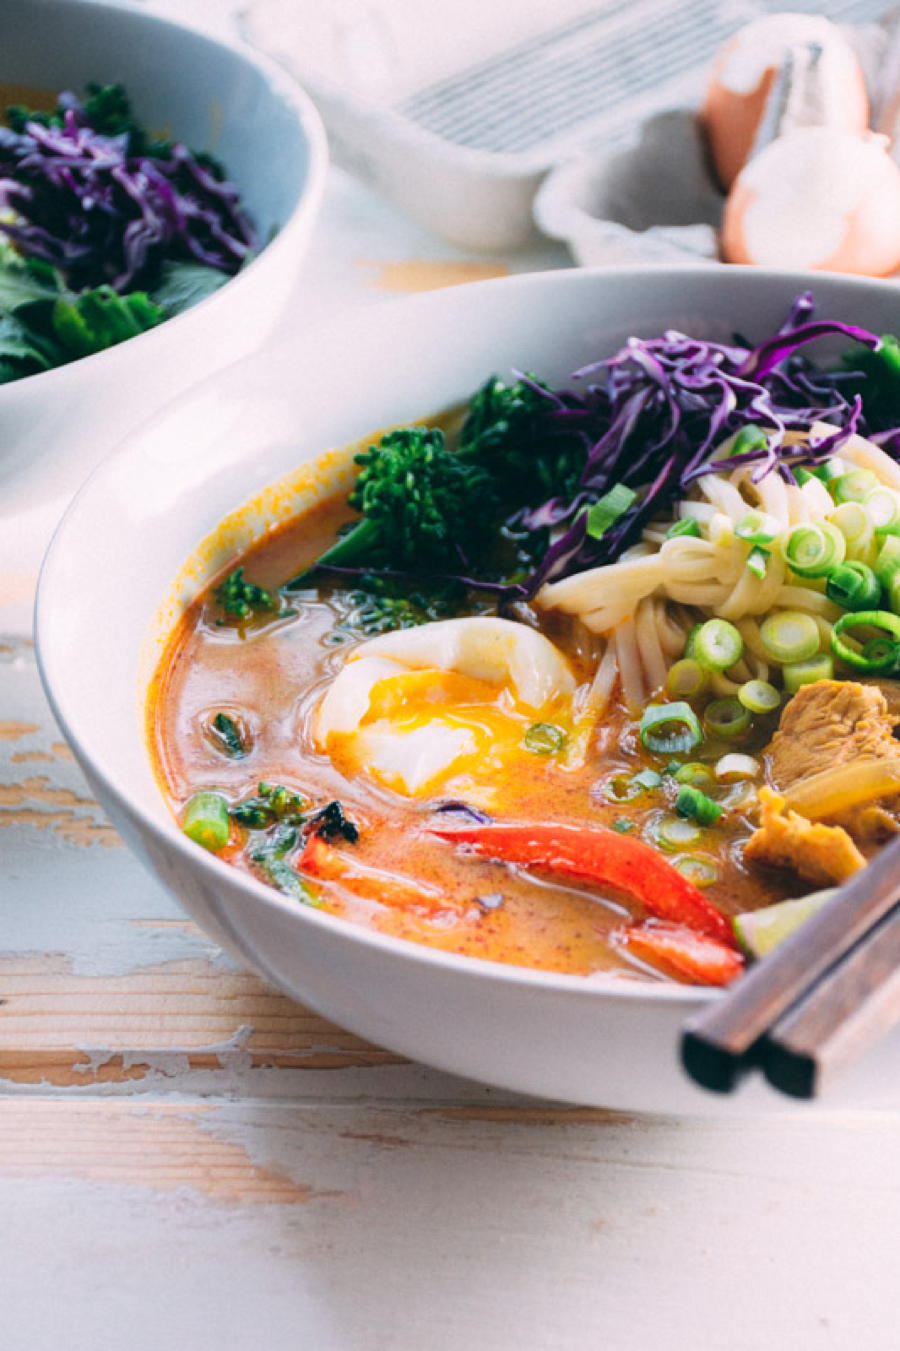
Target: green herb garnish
x: 272, y: 803
x: 227, y: 735
x: 243, y: 599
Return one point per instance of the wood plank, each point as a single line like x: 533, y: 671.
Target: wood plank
x: 160, y: 1146
x: 62, y: 1028
x: 382, y: 1227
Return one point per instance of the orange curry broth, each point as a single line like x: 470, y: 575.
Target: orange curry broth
x: 271, y: 674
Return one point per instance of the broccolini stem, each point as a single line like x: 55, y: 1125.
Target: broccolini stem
x: 343, y: 553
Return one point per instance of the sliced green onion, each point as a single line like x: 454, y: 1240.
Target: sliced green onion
x: 739, y: 796
x: 675, y: 832
x: 883, y: 506
x: 544, y: 738
x: 757, y: 561
x: 626, y: 788
x: 686, y: 526
x: 813, y: 550
x: 854, y: 486
x: 748, y: 438
x: 734, y: 767
x: 887, y: 564
x: 607, y: 510
x: 797, y: 673
x: 696, y: 806
x: 829, y: 469
x: 691, y: 640
x: 205, y: 820
x: 726, y: 718
x: 686, y: 679
x: 698, y: 869
x: 622, y: 826
x: 622, y: 788
x: 852, y: 520
x: 697, y: 774
x: 803, y: 475
x: 880, y: 651
x: 853, y: 586
x: 789, y: 635
x: 878, y: 655
x: 759, y: 696
x: 893, y: 593
x: 758, y: 527
x: 717, y: 645
x: 668, y: 729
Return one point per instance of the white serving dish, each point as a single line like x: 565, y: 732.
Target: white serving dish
x: 214, y: 95
x: 114, y: 581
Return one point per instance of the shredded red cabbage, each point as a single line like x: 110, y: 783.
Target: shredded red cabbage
x: 651, y: 419
x: 653, y: 413
x: 102, y: 215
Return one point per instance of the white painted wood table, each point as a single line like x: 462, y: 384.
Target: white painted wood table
x: 190, y: 1160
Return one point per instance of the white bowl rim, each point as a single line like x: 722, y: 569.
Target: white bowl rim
x: 166, y: 832
x: 308, y: 202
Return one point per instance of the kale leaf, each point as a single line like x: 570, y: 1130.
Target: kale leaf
x: 879, y: 382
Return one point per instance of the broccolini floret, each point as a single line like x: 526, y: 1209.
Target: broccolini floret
x: 509, y: 430
x: 428, y: 508
x: 422, y: 505
x: 243, y: 599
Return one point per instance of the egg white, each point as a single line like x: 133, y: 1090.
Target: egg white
x: 442, y: 706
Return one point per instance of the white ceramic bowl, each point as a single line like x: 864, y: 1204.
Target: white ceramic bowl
x: 214, y: 96
x: 114, y: 581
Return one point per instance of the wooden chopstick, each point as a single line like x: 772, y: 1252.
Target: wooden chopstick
x: 845, y: 1012
x: 728, y: 1038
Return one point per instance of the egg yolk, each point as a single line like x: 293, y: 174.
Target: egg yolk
x: 434, y: 730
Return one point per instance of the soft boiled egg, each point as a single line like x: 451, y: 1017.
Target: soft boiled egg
x: 746, y: 69
x: 449, y: 703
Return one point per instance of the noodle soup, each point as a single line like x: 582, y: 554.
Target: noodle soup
x: 536, y: 691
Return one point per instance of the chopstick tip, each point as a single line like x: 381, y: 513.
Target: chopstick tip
x: 710, y: 1065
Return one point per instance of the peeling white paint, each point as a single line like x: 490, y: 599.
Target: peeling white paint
x: 172, y: 1062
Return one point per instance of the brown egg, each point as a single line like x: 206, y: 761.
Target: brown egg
x: 817, y: 198
x: 745, y: 71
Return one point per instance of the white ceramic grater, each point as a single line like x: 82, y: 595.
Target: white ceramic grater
x: 455, y: 110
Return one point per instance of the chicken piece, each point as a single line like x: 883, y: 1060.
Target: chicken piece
x: 834, y: 722
x: 891, y: 691
x: 823, y: 855
x: 828, y: 723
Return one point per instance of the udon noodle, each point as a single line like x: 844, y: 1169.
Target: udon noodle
x: 646, y: 603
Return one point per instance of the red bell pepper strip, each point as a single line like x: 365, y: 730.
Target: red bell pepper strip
x: 320, y: 859
x: 603, y: 856
x: 682, y: 952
